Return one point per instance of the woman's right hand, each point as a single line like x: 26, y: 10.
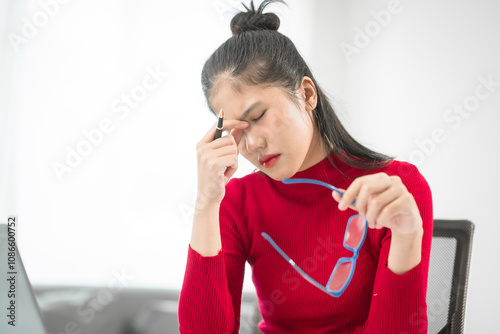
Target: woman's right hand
x: 217, y: 162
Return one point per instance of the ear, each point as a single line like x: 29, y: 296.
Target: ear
x: 308, y: 93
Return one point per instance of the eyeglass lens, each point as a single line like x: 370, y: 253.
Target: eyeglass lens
x: 340, y: 276
x: 355, y: 231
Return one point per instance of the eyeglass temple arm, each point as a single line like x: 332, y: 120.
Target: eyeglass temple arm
x: 324, y: 184
x: 302, y: 272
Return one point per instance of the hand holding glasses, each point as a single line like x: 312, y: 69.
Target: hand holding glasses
x: 353, y: 240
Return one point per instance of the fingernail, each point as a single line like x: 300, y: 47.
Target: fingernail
x: 341, y: 205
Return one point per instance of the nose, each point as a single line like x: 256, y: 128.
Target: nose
x: 253, y: 141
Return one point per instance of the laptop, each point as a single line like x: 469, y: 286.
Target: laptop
x: 20, y: 313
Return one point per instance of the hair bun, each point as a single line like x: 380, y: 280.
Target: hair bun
x: 255, y: 19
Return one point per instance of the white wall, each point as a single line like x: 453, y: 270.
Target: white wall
x: 127, y: 207
x: 399, y: 89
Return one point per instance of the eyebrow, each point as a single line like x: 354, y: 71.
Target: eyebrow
x: 249, y: 110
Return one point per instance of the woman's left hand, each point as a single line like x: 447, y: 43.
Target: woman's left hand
x: 384, y: 201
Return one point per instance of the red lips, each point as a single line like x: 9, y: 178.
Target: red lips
x: 266, y: 157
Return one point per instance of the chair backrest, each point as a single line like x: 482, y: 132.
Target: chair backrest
x: 448, y: 275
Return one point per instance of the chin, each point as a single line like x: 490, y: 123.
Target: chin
x: 279, y: 177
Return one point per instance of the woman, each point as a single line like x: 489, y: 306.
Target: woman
x: 289, y: 132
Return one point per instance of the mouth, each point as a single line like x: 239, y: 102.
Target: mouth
x: 269, y: 160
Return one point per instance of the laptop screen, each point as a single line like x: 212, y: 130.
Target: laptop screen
x: 19, y: 310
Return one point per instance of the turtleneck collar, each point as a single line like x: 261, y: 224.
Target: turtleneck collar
x: 322, y: 171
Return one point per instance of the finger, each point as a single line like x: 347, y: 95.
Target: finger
x: 375, y: 183
x: 227, y: 140
x: 403, y: 205
x: 338, y: 197
x: 227, y: 125
x: 234, y: 124
x: 378, y: 202
x: 225, y: 150
x: 232, y: 166
x: 237, y: 133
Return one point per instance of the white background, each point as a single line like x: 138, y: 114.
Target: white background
x: 127, y: 206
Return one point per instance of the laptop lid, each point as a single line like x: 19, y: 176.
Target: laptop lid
x: 20, y: 313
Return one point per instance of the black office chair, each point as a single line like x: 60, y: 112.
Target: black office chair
x: 448, y: 277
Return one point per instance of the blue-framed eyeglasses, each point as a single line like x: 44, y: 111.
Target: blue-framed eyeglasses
x: 354, y: 237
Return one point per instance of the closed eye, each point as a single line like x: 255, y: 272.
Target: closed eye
x: 255, y: 120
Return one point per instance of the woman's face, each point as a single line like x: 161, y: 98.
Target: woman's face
x: 275, y: 126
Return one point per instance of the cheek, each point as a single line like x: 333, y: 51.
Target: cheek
x: 281, y: 123
x: 292, y: 123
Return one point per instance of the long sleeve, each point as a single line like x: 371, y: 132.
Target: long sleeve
x: 210, y: 297
x: 399, y: 301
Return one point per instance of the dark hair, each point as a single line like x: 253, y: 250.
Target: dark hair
x: 257, y: 54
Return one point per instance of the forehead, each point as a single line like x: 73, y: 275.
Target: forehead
x: 236, y: 99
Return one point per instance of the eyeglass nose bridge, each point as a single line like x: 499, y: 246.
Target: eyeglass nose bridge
x: 354, y: 257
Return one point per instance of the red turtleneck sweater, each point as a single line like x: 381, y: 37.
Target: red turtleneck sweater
x: 304, y: 220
